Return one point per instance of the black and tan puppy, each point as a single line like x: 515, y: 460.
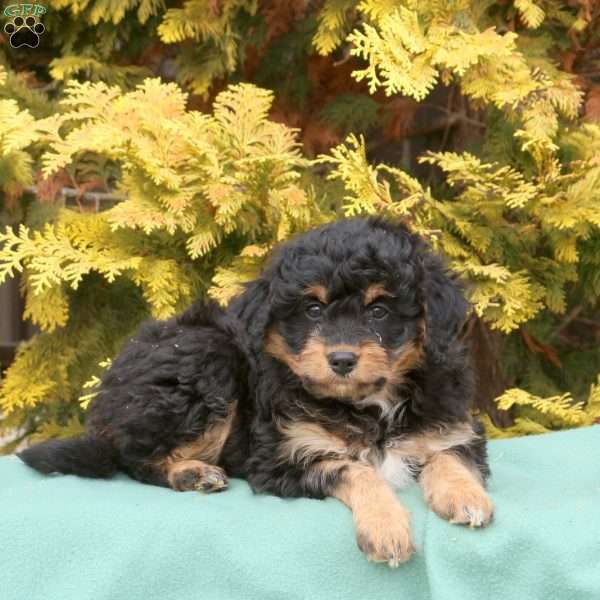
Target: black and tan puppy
x: 338, y: 372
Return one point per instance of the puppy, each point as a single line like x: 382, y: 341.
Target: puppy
x: 338, y: 372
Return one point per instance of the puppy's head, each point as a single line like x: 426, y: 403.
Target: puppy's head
x: 347, y: 354
x: 353, y: 306
x: 347, y: 315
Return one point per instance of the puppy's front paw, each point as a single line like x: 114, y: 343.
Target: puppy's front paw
x: 466, y: 505
x: 385, y: 537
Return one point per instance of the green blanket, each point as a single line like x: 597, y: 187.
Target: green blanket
x: 64, y: 538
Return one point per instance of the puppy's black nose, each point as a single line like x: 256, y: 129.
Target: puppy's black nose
x: 342, y: 362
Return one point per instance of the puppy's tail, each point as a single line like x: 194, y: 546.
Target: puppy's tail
x: 84, y: 456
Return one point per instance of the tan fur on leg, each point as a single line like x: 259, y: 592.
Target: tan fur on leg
x: 455, y: 491
x: 207, y: 447
x: 191, y: 466
x: 382, y: 523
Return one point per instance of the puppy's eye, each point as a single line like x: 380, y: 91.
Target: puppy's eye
x: 378, y: 312
x: 314, y: 310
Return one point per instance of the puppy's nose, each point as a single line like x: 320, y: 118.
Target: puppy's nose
x: 342, y: 362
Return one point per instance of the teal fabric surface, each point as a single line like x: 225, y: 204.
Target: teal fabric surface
x: 64, y: 538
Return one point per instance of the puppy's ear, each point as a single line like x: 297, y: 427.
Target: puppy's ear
x: 446, y: 307
x: 252, y: 308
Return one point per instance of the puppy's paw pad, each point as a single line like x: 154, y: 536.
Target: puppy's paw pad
x: 474, y: 509
x: 473, y: 515
x: 390, y: 543
x: 206, y: 478
x: 214, y: 480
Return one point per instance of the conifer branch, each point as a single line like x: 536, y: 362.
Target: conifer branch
x: 569, y: 317
x: 97, y: 198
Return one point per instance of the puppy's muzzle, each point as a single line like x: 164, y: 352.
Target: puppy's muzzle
x: 342, y: 363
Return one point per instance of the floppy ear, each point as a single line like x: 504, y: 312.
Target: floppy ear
x: 252, y: 308
x: 446, y: 307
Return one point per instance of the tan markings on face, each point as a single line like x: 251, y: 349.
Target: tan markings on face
x: 407, y: 357
x: 312, y: 361
x: 318, y: 291
x: 276, y: 346
x: 382, y: 523
x: 206, y: 449
x: 373, y: 360
x: 313, y: 367
x: 374, y: 291
x: 455, y: 491
x: 375, y: 364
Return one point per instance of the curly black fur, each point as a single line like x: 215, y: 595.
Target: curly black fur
x: 175, y: 381
x: 347, y: 256
x: 170, y: 383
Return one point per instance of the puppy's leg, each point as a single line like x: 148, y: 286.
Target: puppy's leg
x: 382, y: 523
x: 455, y: 490
x: 181, y: 475
x: 192, y: 466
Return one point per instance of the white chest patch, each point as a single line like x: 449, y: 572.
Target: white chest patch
x: 396, y: 470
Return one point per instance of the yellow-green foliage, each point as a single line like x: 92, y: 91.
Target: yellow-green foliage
x: 112, y: 11
x: 192, y: 177
x: 410, y: 46
x: 334, y: 24
x: 15, y: 135
x: 541, y: 415
x: 514, y: 237
x: 202, y: 190
x: 92, y: 384
x: 211, y: 25
x: 207, y: 195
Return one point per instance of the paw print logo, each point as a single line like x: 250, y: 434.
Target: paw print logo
x: 24, y: 32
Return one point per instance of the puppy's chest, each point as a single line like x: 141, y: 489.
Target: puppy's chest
x: 400, y: 456
x: 394, y: 452
x: 395, y: 446
x: 396, y: 458
x: 398, y: 469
